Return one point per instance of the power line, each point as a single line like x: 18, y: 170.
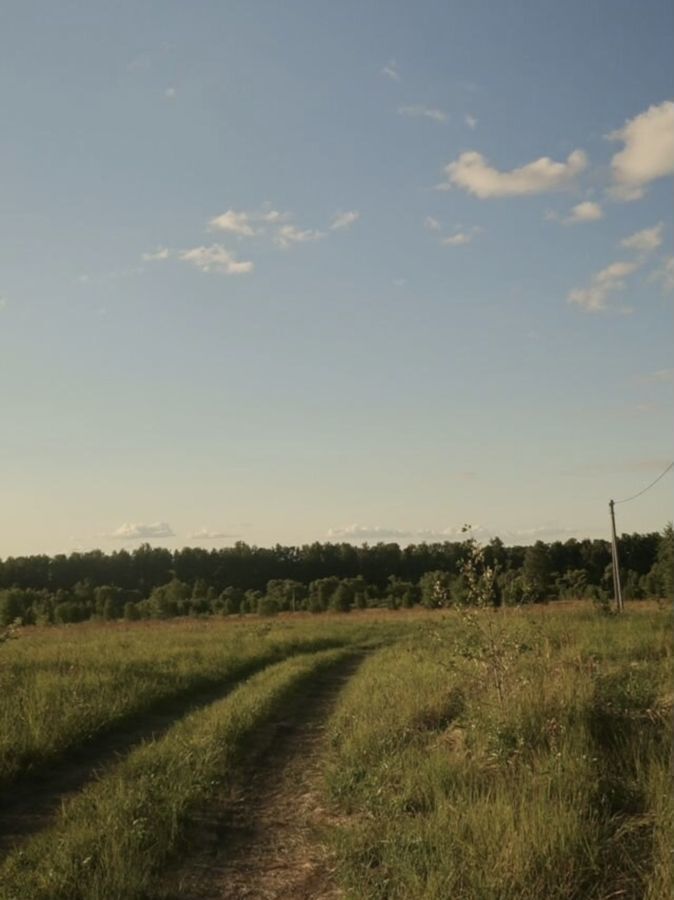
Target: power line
x: 648, y: 487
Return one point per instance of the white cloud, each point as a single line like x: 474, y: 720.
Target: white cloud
x: 472, y: 172
x: 138, y: 531
x: 287, y: 235
x: 390, y: 70
x: 665, y: 274
x: 605, y: 283
x: 470, y: 121
x: 205, y: 534
x: 157, y: 255
x: 359, y: 533
x: 170, y: 93
x: 368, y: 532
x: 587, y: 211
x: 248, y: 223
x: 233, y: 222
x: 648, y: 153
x: 437, y: 115
x: 432, y: 224
x: 462, y: 237
x: 644, y: 241
x: 344, y: 219
x: 216, y: 258
x: 272, y: 215
x: 662, y: 376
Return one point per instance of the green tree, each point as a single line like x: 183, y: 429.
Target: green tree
x: 342, y: 598
x: 537, y: 570
x: 436, y: 589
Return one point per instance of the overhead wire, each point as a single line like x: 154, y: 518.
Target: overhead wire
x: 648, y: 487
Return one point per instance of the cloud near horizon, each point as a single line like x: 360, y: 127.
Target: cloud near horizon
x: 471, y: 172
x: 365, y: 533
x: 205, y: 534
x: 140, y: 531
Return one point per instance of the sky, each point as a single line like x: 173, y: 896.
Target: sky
x: 282, y: 271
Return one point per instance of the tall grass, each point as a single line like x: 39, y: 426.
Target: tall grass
x: 60, y: 687
x: 111, y: 840
x: 508, y: 755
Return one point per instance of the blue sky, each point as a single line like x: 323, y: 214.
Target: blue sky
x: 295, y: 271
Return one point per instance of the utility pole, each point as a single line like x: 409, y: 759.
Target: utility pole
x: 617, y: 590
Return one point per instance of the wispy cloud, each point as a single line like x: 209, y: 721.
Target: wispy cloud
x: 368, y: 533
x: 603, y: 286
x: 432, y: 224
x: 170, y: 93
x: 343, y: 220
x: 460, y: 238
x: 139, y: 531
x: 661, y: 376
x: 247, y: 223
x: 470, y: 121
x: 472, y: 172
x: 587, y: 211
x: 645, y: 241
x: 665, y: 274
x: 157, y: 255
x: 205, y: 534
x: 357, y: 533
x: 233, y: 222
x: 648, y: 151
x: 288, y: 235
x: 390, y: 70
x: 606, y: 466
x: 216, y: 258
x: 424, y: 112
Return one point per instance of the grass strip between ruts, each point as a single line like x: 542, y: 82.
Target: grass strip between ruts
x: 58, y: 696
x: 110, y: 840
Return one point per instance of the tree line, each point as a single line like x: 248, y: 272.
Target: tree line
x: 155, y: 582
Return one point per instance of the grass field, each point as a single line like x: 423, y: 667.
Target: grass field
x: 522, y: 753
x: 61, y: 687
x: 512, y: 755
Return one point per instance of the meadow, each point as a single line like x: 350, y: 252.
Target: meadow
x: 512, y: 753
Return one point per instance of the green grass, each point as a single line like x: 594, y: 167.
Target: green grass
x: 511, y: 755
x: 110, y: 841
x: 60, y: 687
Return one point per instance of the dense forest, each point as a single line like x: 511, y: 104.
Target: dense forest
x: 155, y: 582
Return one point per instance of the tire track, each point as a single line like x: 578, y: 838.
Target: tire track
x: 29, y: 804
x: 257, y: 841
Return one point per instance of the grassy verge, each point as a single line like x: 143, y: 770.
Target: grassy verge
x: 111, y: 839
x: 61, y: 687
x: 512, y: 756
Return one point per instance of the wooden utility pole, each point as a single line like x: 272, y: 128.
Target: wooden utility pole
x: 617, y: 590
